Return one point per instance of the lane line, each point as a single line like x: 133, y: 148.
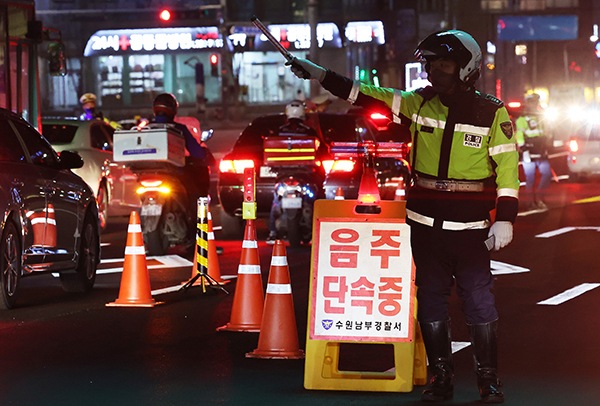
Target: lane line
x: 569, y: 294
x: 564, y: 230
x: 501, y: 268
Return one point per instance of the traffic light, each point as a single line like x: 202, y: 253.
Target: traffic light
x: 164, y: 15
x: 214, y: 65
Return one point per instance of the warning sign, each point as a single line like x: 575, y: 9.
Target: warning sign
x: 362, y: 281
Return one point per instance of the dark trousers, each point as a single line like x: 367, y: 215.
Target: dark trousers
x: 443, y: 257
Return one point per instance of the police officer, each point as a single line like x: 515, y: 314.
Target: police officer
x: 465, y: 162
x: 533, y: 144
x: 88, y: 103
x: 295, y: 113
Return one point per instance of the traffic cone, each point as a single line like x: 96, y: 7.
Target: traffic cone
x: 278, y: 337
x: 368, y: 191
x: 248, y: 301
x: 135, y: 282
x: 50, y: 232
x: 213, y: 269
x: 38, y: 224
x: 400, y: 194
x: 339, y: 194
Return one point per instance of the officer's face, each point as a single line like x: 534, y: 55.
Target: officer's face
x: 445, y: 65
x: 442, y: 73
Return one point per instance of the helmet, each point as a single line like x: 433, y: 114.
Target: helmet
x: 532, y: 98
x: 296, y: 109
x: 87, y: 98
x: 456, y: 45
x: 165, y: 103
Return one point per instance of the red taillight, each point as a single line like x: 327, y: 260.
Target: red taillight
x: 340, y: 165
x: 378, y: 116
x: 514, y: 104
x: 235, y: 166
x: 573, y: 146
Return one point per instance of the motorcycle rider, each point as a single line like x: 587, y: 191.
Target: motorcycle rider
x: 295, y: 113
x: 533, y: 143
x: 196, y: 172
x: 466, y: 165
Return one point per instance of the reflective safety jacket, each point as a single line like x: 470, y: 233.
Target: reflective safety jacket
x: 469, y: 141
x: 530, y: 136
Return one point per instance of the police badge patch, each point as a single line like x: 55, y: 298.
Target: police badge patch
x: 507, y: 129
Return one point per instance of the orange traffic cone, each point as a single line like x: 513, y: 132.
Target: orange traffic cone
x: 400, y: 194
x: 278, y: 335
x: 135, y: 282
x: 248, y: 301
x: 339, y: 194
x: 368, y: 191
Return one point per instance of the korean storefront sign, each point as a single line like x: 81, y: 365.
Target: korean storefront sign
x: 362, y: 288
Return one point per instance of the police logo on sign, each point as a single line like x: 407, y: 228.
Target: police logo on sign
x: 472, y: 140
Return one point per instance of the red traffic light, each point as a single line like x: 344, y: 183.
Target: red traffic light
x: 214, y: 59
x: 165, y: 15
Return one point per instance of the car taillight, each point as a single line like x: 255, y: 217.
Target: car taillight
x: 340, y: 165
x: 573, y: 146
x: 378, y: 116
x: 235, y: 166
x: 153, y: 186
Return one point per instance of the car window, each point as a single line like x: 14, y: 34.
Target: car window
x: 364, y: 129
x: 339, y: 128
x: 59, y: 134
x: 101, y: 137
x: 261, y: 127
x: 40, y: 151
x: 10, y: 147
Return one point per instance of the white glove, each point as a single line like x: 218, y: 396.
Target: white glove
x: 502, y: 232
x: 305, y: 69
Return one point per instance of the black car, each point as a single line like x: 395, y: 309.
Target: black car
x: 340, y: 171
x: 50, y: 217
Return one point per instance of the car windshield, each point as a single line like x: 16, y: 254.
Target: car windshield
x: 58, y: 134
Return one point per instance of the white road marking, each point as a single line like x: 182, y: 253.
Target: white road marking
x: 459, y: 345
x: 165, y: 290
x: 166, y: 261
x: 569, y: 294
x: 564, y: 230
x: 500, y: 268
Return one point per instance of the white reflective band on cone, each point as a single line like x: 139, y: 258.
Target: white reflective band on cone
x: 339, y: 198
x: 249, y: 244
x: 52, y: 221
x: 279, y: 261
x: 249, y: 269
x: 135, y: 251
x: 134, y: 228
x: 38, y: 220
x: 279, y: 289
x: 211, y: 236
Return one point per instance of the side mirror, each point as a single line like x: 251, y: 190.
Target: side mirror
x: 70, y: 160
x: 57, y: 63
x: 206, y: 135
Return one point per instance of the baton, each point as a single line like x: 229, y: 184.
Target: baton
x: 286, y: 54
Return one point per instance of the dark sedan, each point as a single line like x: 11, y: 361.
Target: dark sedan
x: 341, y: 171
x: 50, y: 217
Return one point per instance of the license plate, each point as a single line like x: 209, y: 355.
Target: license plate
x: 291, y: 203
x: 267, y: 172
x: 151, y: 210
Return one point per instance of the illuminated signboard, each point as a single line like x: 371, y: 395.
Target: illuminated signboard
x: 365, y: 31
x: 297, y: 36
x: 415, y: 77
x: 111, y: 42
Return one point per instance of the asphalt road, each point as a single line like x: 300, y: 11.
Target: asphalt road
x: 68, y: 349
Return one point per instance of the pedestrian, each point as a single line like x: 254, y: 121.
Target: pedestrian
x: 533, y: 143
x: 464, y: 200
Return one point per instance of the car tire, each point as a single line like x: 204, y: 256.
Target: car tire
x: 102, y: 200
x: 232, y: 227
x: 82, y: 279
x: 10, y: 264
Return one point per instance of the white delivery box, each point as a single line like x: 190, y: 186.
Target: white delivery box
x: 159, y: 143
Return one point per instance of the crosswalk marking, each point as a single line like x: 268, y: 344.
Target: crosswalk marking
x: 500, y: 268
x: 564, y: 230
x: 157, y: 262
x: 569, y: 294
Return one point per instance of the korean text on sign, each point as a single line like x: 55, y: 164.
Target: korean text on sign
x: 362, y: 281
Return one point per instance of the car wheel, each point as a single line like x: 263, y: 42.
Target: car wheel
x: 157, y: 243
x: 232, y: 226
x: 83, y: 277
x: 102, y: 200
x: 10, y: 263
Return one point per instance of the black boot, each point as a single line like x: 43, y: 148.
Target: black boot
x: 436, y: 335
x: 485, y: 353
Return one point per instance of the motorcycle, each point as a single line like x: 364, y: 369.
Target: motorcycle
x: 168, y: 207
x: 296, y: 190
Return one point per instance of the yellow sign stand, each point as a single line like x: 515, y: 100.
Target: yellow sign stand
x: 324, y: 334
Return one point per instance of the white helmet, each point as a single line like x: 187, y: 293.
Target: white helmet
x: 296, y: 109
x: 455, y: 45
